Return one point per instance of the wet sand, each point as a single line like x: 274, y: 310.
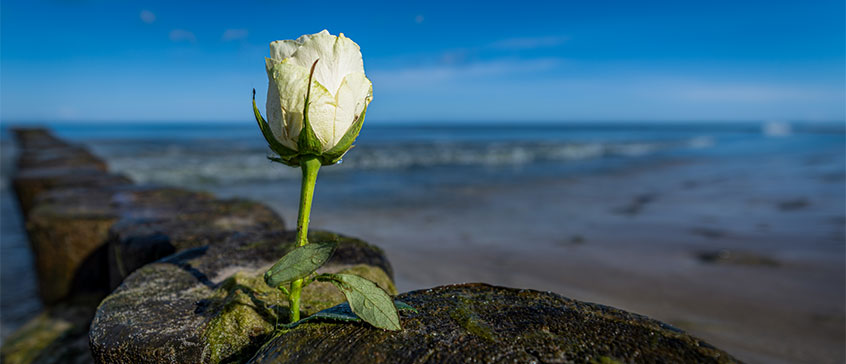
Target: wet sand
x: 749, y: 259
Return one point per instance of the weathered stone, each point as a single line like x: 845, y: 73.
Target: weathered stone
x: 29, y: 184
x: 59, y: 156
x: 487, y: 324
x: 58, y: 335
x: 68, y: 229
x: 210, y: 304
x: 38, y: 148
x: 66, y: 241
x: 134, y: 241
x: 36, y: 138
x: 46, y: 162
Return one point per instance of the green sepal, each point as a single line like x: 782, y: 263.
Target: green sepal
x: 332, y: 156
x: 287, y: 155
x: 299, y: 263
x: 307, y: 142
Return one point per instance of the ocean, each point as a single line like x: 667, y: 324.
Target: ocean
x: 217, y: 154
x: 444, y: 182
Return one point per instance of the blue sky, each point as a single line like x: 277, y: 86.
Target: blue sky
x: 432, y: 60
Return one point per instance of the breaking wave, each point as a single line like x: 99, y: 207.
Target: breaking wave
x: 193, y: 162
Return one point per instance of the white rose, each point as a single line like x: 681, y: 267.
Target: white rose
x: 337, y: 97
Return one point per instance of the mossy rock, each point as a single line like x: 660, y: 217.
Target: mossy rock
x: 66, y: 240
x: 29, y: 184
x: 41, y: 155
x: 59, y: 156
x: 68, y: 230
x: 210, y: 304
x: 487, y: 324
x: 134, y: 242
x: 38, y: 148
x: 58, y: 335
x: 36, y: 138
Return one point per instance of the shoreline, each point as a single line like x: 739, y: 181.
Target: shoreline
x: 632, y: 238
x: 640, y: 249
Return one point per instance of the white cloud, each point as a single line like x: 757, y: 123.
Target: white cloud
x: 431, y: 75
x: 147, y: 16
x: 234, y: 34
x: 530, y: 42
x: 562, y: 89
x: 66, y: 112
x: 182, y: 35
x: 733, y: 92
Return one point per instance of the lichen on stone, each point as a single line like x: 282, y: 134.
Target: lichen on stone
x: 464, y: 314
x: 480, y: 323
x: 245, y: 311
x: 30, y: 341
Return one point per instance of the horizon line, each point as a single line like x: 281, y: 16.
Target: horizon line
x: 6, y: 123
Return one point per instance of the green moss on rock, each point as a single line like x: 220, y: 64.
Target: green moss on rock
x: 465, y: 315
x: 210, y: 304
x: 487, y: 324
x: 30, y: 341
x: 66, y: 242
x: 57, y: 335
x: 245, y: 310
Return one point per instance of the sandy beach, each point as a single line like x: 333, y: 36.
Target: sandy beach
x: 750, y: 259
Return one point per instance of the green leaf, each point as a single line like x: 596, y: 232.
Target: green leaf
x: 402, y: 306
x: 367, y: 300
x: 299, y: 263
x: 335, y: 154
x: 343, y: 313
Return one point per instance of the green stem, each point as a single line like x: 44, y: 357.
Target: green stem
x: 310, y: 166
x: 294, y: 299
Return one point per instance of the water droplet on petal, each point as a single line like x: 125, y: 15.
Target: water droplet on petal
x: 340, y: 161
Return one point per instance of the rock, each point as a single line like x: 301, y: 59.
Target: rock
x: 59, y: 156
x: 210, y: 304
x: 71, y: 204
x: 66, y: 237
x: 36, y: 138
x: 794, y: 204
x: 487, y: 324
x: 69, y: 227
x: 59, y: 335
x: 40, y: 148
x: 134, y: 241
x: 725, y: 256
x: 46, y: 162
x: 29, y: 184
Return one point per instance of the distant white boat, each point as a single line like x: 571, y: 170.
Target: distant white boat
x: 776, y: 128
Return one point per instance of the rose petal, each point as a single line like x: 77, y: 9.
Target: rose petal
x: 339, y: 56
x: 355, y: 92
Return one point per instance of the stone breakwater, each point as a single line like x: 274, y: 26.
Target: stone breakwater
x: 146, y: 274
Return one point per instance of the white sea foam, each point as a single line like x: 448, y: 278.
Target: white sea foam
x: 703, y: 141
x: 188, y: 164
x: 776, y: 128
